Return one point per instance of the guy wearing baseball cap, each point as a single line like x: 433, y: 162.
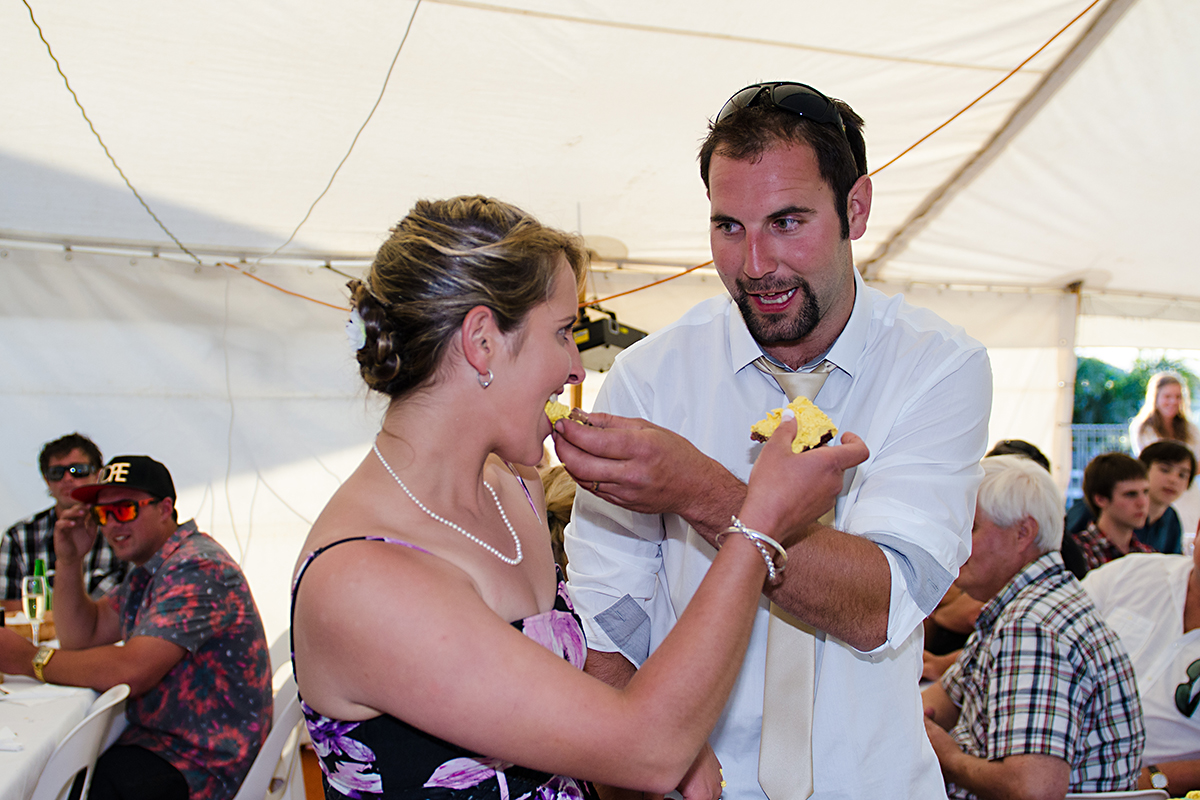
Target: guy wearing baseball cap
x: 189, y: 624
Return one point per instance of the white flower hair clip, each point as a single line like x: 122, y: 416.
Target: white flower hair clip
x: 356, y: 331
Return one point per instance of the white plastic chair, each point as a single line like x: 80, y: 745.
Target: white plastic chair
x: 80, y: 747
x: 276, y: 766
x: 281, y: 652
x: 1147, y: 794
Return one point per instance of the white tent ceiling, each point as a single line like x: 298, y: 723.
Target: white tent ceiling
x: 230, y: 119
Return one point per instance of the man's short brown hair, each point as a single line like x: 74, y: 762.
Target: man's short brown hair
x: 1169, y: 451
x: 749, y: 132
x: 1104, y: 472
x: 63, y: 446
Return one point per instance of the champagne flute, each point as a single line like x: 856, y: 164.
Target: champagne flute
x: 33, y: 601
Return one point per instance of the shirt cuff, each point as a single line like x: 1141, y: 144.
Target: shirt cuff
x: 623, y: 627
x: 918, y: 582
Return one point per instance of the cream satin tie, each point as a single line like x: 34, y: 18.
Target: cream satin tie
x: 785, y: 769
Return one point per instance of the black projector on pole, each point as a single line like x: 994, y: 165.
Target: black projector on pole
x: 599, y: 340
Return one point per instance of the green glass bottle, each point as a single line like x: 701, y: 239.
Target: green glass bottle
x: 39, y: 570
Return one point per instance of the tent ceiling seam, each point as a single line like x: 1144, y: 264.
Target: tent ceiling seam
x: 724, y: 37
x: 1024, y: 112
x: 649, y: 268
x: 96, y: 133
x: 370, y: 114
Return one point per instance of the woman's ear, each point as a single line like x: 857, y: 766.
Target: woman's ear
x: 480, y: 338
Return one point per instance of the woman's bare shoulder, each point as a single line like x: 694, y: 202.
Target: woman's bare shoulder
x: 366, y: 603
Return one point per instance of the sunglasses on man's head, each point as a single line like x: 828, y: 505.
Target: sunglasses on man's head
x: 798, y: 98
x: 57, y: 472
x: 122, y: 510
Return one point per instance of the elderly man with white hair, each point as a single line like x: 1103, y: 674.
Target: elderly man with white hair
x: 1042, y: 700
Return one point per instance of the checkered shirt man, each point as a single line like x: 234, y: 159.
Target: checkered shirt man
x: 1043, y: 674
x: 1097, y: 549
x: 33, y: 538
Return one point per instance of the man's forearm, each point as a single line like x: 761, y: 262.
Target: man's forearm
x: 1022, y: 777
x: 141, y: 663
x: 712, y: 508
x: 75, y: 614
x: 836, y: 582
x: 1027, y: 776
x: 1182, y: 776
x: 840, y: 584
x: 611, y: 668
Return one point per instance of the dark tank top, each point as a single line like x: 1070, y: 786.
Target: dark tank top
x: 385, y: 757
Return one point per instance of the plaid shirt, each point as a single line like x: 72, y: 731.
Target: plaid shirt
x: 1043, y: 674
x: 1097, y: 549
x: 33, y: 538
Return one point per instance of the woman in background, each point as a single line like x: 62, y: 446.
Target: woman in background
x: 1165, y: 414
x: 434, y: 647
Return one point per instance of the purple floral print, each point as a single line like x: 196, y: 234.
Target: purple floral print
x: 467, y: 773
x: 349, y: 774
x: 559, y: 633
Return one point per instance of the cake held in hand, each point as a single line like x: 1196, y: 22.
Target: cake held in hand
x: 556, y: 411
x: 813, y: 428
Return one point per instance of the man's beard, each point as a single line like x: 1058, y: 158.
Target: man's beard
x: 793, y: 326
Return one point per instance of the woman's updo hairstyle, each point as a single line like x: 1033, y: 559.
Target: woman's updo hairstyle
x: 443, y: 259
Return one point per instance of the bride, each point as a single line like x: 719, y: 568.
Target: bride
x: 435, y: 647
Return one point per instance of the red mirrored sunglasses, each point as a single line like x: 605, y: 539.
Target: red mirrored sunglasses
x: 122, y: 510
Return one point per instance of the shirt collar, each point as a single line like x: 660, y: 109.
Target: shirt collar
x: 845, y: 351
x: 170, y: 546
x: 1042, y: 567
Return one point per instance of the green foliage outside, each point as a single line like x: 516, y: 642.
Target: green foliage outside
x: 1105, y: 394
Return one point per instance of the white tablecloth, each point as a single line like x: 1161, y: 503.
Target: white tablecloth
x: 39, y: 727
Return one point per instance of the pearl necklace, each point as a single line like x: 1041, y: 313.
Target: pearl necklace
x: 459, y: 528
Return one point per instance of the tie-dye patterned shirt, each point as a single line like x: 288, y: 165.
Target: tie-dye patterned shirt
x: 209, y: 716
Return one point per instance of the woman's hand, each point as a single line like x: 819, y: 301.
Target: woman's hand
x: 789, y: 491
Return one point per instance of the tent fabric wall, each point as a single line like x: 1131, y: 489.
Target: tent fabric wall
x: 250, y: 397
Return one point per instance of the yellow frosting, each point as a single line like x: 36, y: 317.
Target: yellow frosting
x: 811, y: 424
x: 556, y: 411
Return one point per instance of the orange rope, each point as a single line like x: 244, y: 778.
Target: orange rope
x: 281, y: 289
x: 964, y: 109
x: 600, y: 300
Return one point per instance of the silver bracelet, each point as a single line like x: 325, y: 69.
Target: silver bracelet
x: 775, y: 564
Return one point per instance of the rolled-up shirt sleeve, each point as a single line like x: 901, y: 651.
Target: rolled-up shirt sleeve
x: 917, y: 499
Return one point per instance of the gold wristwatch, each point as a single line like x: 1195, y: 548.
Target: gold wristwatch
x: 1157, y: 779
x: 44, y: 654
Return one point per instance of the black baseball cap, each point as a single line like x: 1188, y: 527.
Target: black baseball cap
x: 130, y: 472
